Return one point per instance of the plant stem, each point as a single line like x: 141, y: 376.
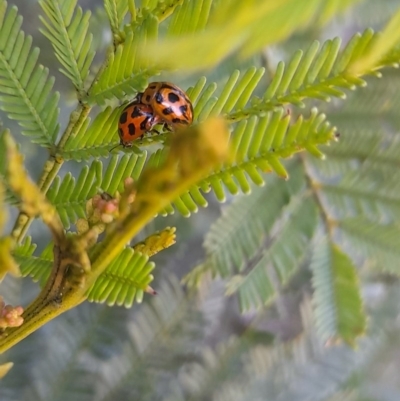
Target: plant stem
x: 51, y: 168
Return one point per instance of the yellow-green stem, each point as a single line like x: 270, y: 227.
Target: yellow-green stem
x: 51, y: 169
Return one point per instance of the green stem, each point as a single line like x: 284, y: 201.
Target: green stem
x: 51, y: 169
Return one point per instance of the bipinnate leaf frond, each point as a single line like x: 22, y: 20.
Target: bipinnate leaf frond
x: 300, y: 369
x: 339, y: 311
x: 26, y: 90
x: 367, y: 194
x: 94, y: 140
x: 124, y: 281
x: 37, y: 267
x: 116, y: 11
x: 125, y: 74
x: 191, y: 16
x: 162, y: 332
x: 258, y: 145
x: 377, y: 243
x: 69, y: 196
x: 240, y: 26
x: 67, y: 26
x: 381, y: 49
x: 287, y: 249
x: 245, y: 224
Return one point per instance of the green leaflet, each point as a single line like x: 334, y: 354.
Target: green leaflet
x: 378, y: 243
x: 124, y: 281
x: 258, y: 145
x: 162, y: 329
x: 280, y: 259
x: 339, y: 310
x: 191, y: 16
x: 116, y: 11
x: 26, y: 88
x: 37, y: 267
x: 237, y: 235
x: 236, y: 25
x: 368, y: 194
x: 69, y: 196
x: 125, y: 73
x: 66, y: 27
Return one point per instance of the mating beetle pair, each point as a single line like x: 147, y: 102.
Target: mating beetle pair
x: 160, y: 103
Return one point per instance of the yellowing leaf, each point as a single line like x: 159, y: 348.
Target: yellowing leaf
x: 338, y: 305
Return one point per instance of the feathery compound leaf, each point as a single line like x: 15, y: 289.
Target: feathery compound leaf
x: 125, y: 73
x: 247, y: 26
x: 380, y: 47
x: 69, y: 196
x: 25, y: 90
x: 37, y: 267
x: 163, y: 332
x: 380, y: 244
x: 244, y: 225
x: 339, y: 311
x: 364, y: 193
x: 124, y: 280
x: 116, y: 11
x: 257, y: 147
x: 67, y: 29
x: 191, y: 17
x: 283, y: 257
x: 94, y: 140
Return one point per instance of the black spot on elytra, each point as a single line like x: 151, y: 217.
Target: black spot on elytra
x: 123, y: 117
x: 158, y: 98
x: 183, y: 109
x: 132, y: 129
x: 167, y: 111
x: 143, y: 125
x: 148, y: 97
x: 173, y: 97
x: 179, y: 121
x: 153, y: 86
x: 136, y: 112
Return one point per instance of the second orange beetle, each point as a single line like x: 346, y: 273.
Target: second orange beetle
x: 170, y: 104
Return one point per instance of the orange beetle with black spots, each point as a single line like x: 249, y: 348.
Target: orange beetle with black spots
x: 135, y: 120
x: 170, y: 104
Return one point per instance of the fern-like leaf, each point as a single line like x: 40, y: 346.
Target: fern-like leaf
x: 70, y: 196
x: 338, y: 305
x: 233, y: 25
x: 37, y: 267
x: 258, y: 146
x: 26, y: 88
x: 245, y: 224
x: 366, y: 194
x: 283, y: 257
x: 67, y: 28
x: 116, y: 11
x: 125, y: 74
x: 380, y: 244
x: 162, y: 333
x: 192, y: 16
x: 124, y: 281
